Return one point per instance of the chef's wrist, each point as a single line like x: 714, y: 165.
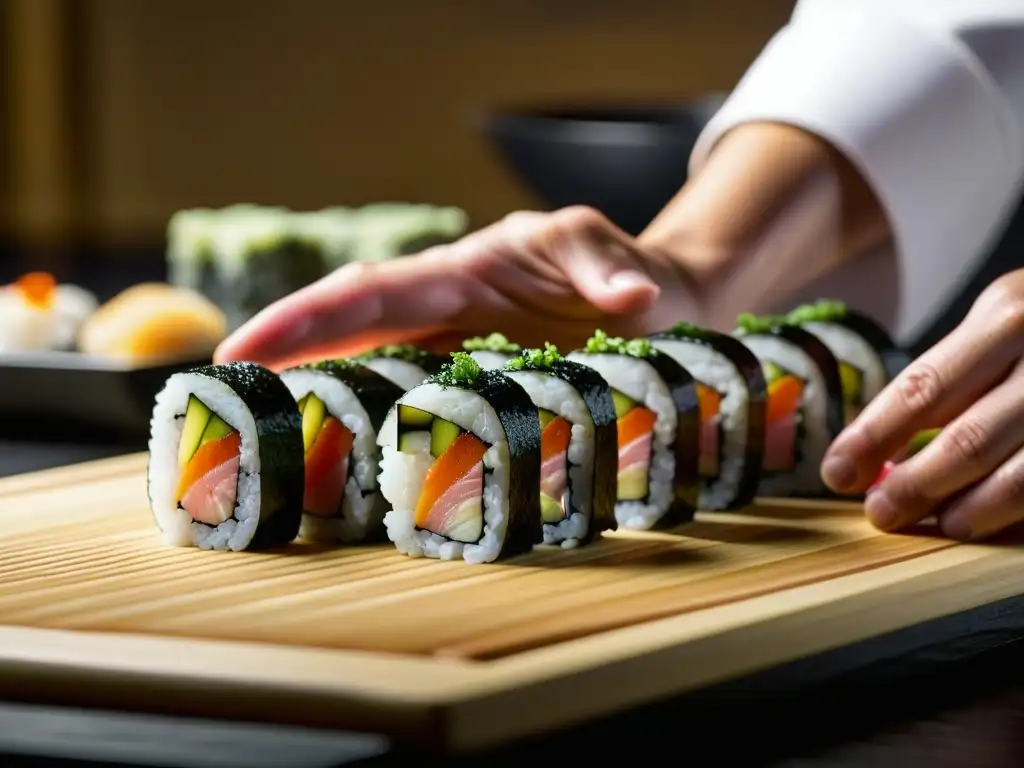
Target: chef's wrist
x: 772, y: 203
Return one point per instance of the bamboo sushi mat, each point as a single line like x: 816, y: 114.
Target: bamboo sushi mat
x: 79, y: 551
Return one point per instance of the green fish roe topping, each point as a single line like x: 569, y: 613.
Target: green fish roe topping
x: 601, y: 343
x: 686, y: 330
x: 496, y: 342
x: 340, y: 363
x: 407, y: 352
x: 753, y: 324
x: 462, y: 371
x: 535, y: 359
x: 824, y: 311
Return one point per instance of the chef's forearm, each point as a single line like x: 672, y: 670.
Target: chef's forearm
x: 773, y: 208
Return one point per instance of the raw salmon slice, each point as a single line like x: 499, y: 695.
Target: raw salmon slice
x: 451, y: 502
x: 327, y: 468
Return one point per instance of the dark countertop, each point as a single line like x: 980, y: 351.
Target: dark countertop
x: 933, y: 702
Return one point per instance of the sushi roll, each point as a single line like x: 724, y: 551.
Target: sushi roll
x: 406, y: 365
x: 343, y: 404
x: 461, y: 466
x: 864, y: 349
x: 491, y: 352
x: 225, y: 459
x: 658, y: 430
x: 732, y: 396
x: 579, y: 455
x: 804, y: 412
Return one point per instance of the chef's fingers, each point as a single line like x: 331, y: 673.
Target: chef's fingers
x: 412, y: 294
x: 969, y: 448
x: 934, y: 389
x: 993, y: 505
x: 599, y: 260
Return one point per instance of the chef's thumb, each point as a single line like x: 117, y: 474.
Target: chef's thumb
x: 607, y: 276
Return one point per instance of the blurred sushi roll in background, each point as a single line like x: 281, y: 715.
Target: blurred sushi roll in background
x: 658, y: 426
x: 244, y: 257
x: 804, y: 410
x: 405, y: 364
x: 732, y: 396
x: 38, y: 314
x: 226, y: 465
x: 343, y: 405
x: 579, y: 454
x: 861, y: 346
x: 461, y: 466
x: 491, y: 352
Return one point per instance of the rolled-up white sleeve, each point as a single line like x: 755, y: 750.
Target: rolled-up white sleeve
x: 926, y: 99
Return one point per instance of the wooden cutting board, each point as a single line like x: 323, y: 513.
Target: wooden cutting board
x: 94, y: 609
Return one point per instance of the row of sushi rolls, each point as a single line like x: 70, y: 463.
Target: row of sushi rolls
x: 488, y: 452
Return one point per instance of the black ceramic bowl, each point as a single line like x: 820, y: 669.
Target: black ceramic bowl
x: 627, y: 162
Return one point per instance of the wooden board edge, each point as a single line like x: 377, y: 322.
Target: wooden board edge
x: 469, y: 706
x: 675, y: 656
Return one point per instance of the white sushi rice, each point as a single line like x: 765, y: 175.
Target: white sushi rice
x: 489, y: 359
x: 716, y: 370
x: 552, y: 394
x: 403, y: 373
x: 403, y: 473
x: 852, y: 348
x: 166, y: 425
x: 359, y: 513
x: 635, y: 378
x: 805, y: 477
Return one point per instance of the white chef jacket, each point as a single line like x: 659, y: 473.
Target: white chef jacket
x: 926, y: 98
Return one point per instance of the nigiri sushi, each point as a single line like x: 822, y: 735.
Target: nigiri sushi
x: 39, y: 314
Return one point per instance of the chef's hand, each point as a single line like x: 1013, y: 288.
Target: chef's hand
x: 971, y: 475
x: 535, y: 277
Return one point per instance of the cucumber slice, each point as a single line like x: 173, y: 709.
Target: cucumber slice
x: 312, y: 419
x: 196, y: 417
x: 442, y: 434
x: 216, y: 428
x: 550, y: 510
x: 414, y: 417
x: 623, y: 404
x: 546, y: 417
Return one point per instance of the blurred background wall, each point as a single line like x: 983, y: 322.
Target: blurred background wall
x: 116, y: 113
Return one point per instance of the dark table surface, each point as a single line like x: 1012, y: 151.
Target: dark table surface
x: 930, y: 697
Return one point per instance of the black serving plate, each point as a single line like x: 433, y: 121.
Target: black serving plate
x: 72, y: 397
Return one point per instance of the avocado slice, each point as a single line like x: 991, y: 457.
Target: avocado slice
x: 623, y: 404
x: 312, y: 419
x: 852, y: 380
x: 772, y: 371
x: 302, y: 403
x: 632, y: 486
x: 546, y: 417
x: 408, y: 442
x: 196, y: 417
x: 414, y: 417
x: 216, y: 428
x: 442, y: 434
x: 550, y: 510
